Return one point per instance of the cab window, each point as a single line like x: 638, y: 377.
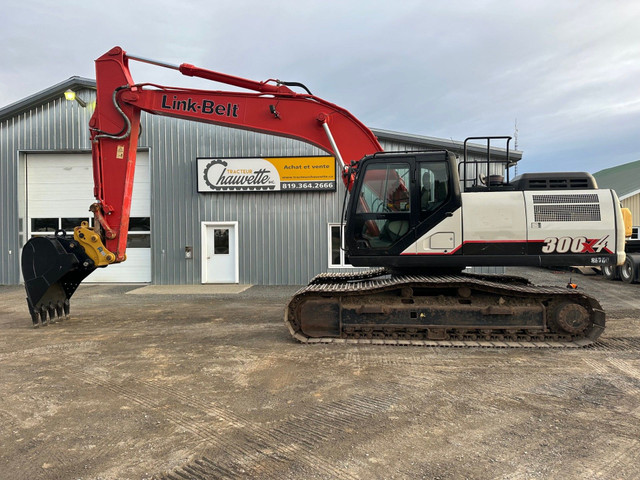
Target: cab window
x: 385, y: 189
x: 434, y: 186
x: 384, y: 205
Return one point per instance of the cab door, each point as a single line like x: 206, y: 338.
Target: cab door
x: 439, y: 228
x: 381, y: 214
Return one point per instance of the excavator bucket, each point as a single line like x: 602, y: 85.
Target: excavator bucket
x: 52, y: 268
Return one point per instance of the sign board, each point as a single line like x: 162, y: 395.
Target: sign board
x: 267, y: 174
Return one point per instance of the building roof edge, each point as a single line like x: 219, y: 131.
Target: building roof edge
x: 44, y: 96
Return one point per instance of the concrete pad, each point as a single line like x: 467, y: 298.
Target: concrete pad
x: 207, y: 289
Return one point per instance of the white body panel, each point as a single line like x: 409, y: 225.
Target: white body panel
x: 494, y: 216
x: 445, y: 238
x: 552, y: 222
x: 583, y: 212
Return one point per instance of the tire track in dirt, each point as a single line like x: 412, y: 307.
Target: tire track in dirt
x: 597, y: 366
x: 293, y: 442
x: 48, y: 350
x: 42, y: 457
x: 245, y: 447
x: 45, y: 459
x: 617, y: 344
x: 623, y: 464
x: 101, y: 448
x: 631, y: 375
x: 625, y: 367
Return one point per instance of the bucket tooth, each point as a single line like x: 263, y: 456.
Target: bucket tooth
x: 35, y: 317
x: 51, y: 308
x: 59, y: 311
x: 43, y: 316
x: 66, y: 307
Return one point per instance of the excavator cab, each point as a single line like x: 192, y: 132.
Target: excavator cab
x: 395, y: 199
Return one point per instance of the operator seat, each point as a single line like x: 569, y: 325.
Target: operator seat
x: 425, y: 191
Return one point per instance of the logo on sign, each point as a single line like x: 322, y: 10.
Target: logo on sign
x: 255, y: 175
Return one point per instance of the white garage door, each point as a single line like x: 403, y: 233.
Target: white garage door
x: 59, y: 193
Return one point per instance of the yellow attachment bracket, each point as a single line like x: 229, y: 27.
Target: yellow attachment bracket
x: 93, y: 246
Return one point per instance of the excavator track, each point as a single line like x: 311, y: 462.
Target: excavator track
x: 464, y: 310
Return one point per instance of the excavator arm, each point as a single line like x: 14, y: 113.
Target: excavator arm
x: 54, y: 267
x: 273, y: 109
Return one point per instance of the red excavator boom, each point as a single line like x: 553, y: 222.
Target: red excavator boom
x: 54, y: 267
x: 274, y: 109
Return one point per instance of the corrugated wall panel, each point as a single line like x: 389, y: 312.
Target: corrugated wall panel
x: 633, y: 204
x: 57, y: 125
x: 275, y: 229
x: 8, y: 206
x: 282, y: 236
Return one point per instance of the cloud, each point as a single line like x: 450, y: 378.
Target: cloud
x: 567, y: 71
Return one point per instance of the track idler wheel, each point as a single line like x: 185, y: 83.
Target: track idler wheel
x: 573, y: 318
x: 52, y: 268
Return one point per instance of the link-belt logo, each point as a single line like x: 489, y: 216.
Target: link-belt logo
x: 575, y: 245
x: 206, y: 107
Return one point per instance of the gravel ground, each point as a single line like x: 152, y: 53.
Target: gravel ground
x: 197, y: 386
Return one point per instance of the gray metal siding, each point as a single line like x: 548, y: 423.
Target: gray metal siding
x: 57, y: 125
x: 633, y: 204
x: 283, y: 237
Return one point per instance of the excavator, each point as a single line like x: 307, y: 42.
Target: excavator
x: 416, y: 219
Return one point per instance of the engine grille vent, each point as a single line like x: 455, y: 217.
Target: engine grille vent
x: 558, y: 183
x: 582, y: 207
x: 567, y: 213
x: 563, y: 199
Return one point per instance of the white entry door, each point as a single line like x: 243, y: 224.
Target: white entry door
x: 220, y: 252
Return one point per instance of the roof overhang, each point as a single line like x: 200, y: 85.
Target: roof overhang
x: 58, y: 90
x: 45, y: 96
x: 431, y: 142
x: 628, y: 195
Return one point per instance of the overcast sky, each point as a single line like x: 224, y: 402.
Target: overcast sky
x: 568, y: 72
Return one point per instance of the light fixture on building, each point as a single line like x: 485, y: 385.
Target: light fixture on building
x: 71, y: 95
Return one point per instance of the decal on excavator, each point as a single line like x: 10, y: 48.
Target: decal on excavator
x: 207, y: 107
x: 575, y: 245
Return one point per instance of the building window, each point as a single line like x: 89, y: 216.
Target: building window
x: 338, y: 258
x: 139, y: 235
x: 47, y: 227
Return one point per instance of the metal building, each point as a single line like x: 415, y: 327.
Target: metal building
x: 176, y: 231
x: 625, y: 180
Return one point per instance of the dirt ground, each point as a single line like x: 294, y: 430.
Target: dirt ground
x: 191, y: 386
